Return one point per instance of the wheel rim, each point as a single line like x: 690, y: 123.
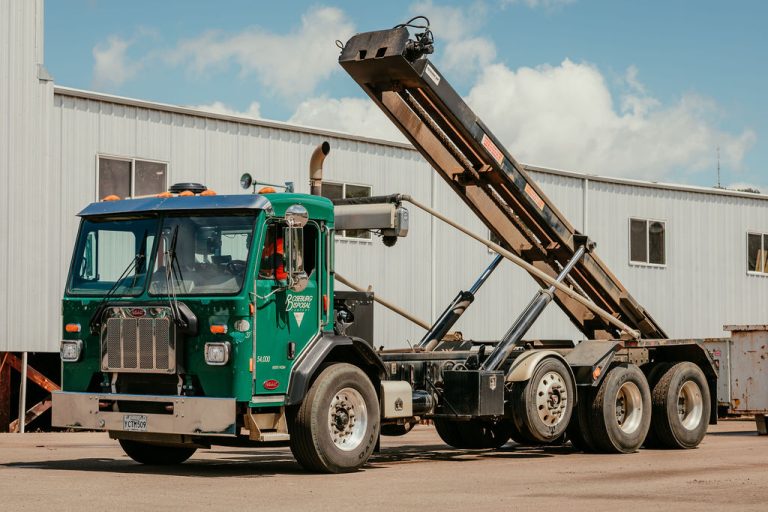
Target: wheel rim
x: 690, y: 405
x: 551, y: 398
x: 629, y: 407
x: 347, y: 419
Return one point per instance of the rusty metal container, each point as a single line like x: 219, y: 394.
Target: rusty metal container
x: 743, y: 362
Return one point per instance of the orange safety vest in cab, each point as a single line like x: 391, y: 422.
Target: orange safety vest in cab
x: 273, y: 261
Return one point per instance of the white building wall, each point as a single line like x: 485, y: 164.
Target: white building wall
x: 703, y: 286
x: 28, y: 193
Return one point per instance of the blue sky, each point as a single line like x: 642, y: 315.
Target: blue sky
x: 640, y: 89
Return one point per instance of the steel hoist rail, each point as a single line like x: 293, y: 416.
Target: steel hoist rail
x: 392, y: 69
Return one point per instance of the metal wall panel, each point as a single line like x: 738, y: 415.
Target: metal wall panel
x: 28, y: 200
x: 703, y: 285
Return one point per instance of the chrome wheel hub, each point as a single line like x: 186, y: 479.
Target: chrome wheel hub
x: 347, y: 419
x: 629, y: 407
x: 551, y: 398
x: 690, y: 405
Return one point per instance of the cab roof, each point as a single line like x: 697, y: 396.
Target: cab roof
x: 176, y: 203
x: 318, y: 207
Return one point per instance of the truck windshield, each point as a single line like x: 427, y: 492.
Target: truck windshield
x: 202, y: 255
x: 112, y: 255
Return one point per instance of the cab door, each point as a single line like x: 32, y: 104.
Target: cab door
x: 286, y: 321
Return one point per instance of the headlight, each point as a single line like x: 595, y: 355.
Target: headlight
x: 217, y: 353
x: 70, y: 350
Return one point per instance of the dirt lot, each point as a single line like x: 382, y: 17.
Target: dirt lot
x: 87, y: 471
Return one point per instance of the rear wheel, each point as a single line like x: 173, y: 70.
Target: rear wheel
x: 473, y: 434
x: 578, y: 431
x: 621, y: 411
x: 681, y: 407
x: 156, y: 455
x: 335, y: 428
x: 653, y: 374
x: 542, y: 406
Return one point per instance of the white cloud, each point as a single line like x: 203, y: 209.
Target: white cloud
x: 218, y: 107
x: 351, y: 115
x: 288, y: 65
x: 563, y: 116
x: 112, y: 66
x: 458, y: 47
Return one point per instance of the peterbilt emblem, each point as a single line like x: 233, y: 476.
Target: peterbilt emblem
x: 399, y: 404
x: 138, y: 312
x: 492, y: 382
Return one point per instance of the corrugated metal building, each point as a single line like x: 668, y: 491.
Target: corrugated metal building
x: 60, y: 148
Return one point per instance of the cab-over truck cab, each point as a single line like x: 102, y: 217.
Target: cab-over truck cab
x: 197, y: 319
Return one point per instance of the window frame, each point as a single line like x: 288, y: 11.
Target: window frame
x: 338, y: 233
x: 132, y: 178
x: 646, y: 263
x: 763, y: 236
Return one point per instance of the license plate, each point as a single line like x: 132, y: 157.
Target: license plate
x: 135, y: 422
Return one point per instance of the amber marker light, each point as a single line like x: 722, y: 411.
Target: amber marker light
x: 72, y: 328
x: 186, y: 193
x: 111, y: 197
x: 208, y: 192
x: 596, y: 373
x: 218, y: 329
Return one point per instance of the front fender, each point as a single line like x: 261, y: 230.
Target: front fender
x: 320, y: 351
x: 523, y: 367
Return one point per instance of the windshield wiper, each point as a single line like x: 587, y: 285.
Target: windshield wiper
x: 171, y: 267
x: 95, y: 322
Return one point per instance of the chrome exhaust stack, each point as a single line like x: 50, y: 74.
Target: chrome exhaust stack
x: 316, y: 168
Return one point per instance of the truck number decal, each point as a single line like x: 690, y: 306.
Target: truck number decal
x: 262, y: 359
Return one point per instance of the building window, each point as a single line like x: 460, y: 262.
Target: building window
x: 348, y: 191
x: 757, y: 253
x: 647, y: 244
x: 130, y: 177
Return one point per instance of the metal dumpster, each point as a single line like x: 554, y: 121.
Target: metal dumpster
x: 742, y: 359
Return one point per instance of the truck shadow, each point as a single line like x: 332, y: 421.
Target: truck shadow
x: 268, y: 463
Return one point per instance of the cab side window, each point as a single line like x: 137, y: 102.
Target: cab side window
x: 273, y: 252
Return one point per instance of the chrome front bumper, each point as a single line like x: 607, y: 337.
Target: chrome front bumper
x: 196, y: 416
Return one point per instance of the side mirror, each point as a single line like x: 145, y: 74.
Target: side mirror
x: 296, y: 216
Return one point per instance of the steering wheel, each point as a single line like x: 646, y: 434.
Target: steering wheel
x: 236, y: 267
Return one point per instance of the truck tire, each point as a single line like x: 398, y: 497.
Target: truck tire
x: 520, y: 437
x: 336, y: 427
x: 543, y: 405
x: 653, y: 373
x: 578, y: 431
x: 620, y: 413
x: 681, y: 407
x: 156, y: 455
x: 474, y: 434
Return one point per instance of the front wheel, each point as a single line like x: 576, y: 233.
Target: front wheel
x: 156, y: 455
x: 335, y: 428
